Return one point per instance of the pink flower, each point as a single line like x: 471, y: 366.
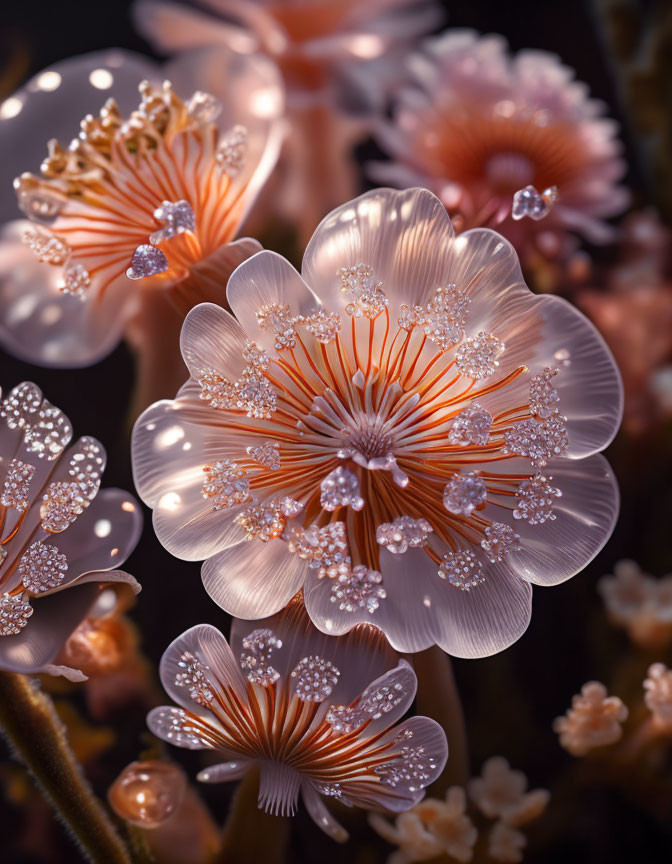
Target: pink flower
x: 60, y: 538
x: 404, y: 431
x: 315, y: 714
x: 476, y: 125
x: 501, y: 793
x: 594, y: 720
x: 132, y: 222
x: 337, y: 58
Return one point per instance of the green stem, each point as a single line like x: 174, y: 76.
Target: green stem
x: 36, y: 734
x: 250, y: 834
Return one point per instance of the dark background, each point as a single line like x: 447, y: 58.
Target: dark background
x: 509, y: 700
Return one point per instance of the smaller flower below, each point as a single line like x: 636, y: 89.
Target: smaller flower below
x: 594, y: 720
x: 146, y: 794
x: 294, y: 703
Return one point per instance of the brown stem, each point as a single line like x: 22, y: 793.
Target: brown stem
x: 438, y: 698
x: 250, y: 834
x: 37, y: 736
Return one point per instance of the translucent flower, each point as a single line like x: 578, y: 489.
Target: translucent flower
x: 131, y: 223
x: 441, y: 392
x: 594, y: 720
x: 476, y: 125
x: 318, y: 45
x: 315, y: 714
x: 431, y: 829
x: 60, y: 538
x: 639, y: 603
x: 337, y: 60
x: 501, y: 793
x: 146, y: 794
x: 658, y: 695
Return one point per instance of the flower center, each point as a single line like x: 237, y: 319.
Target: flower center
x: 509, y: 171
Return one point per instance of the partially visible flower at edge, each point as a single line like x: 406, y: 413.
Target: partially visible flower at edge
x: 658, y: 695
x: 60, y: 537
x: 132, y: 223
x: 475, y: 125
x: 315, y: 714
x: 639, y: 603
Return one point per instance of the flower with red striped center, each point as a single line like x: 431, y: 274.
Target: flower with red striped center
x: 477, y: 125
x: 133, y: 221
x: 60, y: 537
x: 404, y: 431
x: 315, y: 714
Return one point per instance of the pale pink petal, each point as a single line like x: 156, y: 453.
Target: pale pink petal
x: 586, y: 513
x: 267, y: 279
x: 320, y: 814
x: 212, y: 652
x: 53, y: 103
x: 211, y: 338
x: 41, y: 324
x: 404, y: 236
x: 172, y: 27
x: 253, y: 580
x: 225, y: 771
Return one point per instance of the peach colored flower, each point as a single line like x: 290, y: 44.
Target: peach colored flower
x: 594, y: 720
x: 476, y: 125
x: 431, y: 829
x: 315, y: 714
x: 132, y: 222
x: 60, y: 538
x: 337, y: 60
x: 505, y: 843
x: 638, y: 603
x: 500, y: 793
x: 658, y: 695
x: 387, y: 432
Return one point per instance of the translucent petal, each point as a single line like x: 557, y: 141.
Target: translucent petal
x: 320, y: 815
x: 40, y: 323
x: 404, y: 236
x: 53, y: 103
x: 253, y: 580
x: 267, y: 279
x: 212, y: 339
x: 586, y: 513
x: 219, y: 665
x: 224, y: 772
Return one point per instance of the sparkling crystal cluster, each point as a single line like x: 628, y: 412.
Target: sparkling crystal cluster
x: 528, y: 202
x: 412, y: 769
x: 266, y: 454
x: 42, y: 567
x: 76, y: 280
x: 360, y: 588
x: 340, y: 488
x: 177, y: 217
x: 402, y: 533
x: 314, y: 678
x: 258, y: 648
x: 278, y: 319
x: 535, y: 500
x: 252, y: 393
x: 464, y: 493
x: 462, y: 569
x: 471, y: 426
x: 442, y: 319
x: 499, y: 540
x: 48, y: 248
x: 540, y: 441
x: 232, y: 150
x: 477, y: 357
x: 194, y: 677
x: 263, y: 521
x: 322, y: 325
x: 326, y: 549
x: 225, y: 484
x: 15, y: 490
x: 15, y: 610
x: 368, y: 296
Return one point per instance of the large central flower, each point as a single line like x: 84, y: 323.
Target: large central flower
x: 403, y: 447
